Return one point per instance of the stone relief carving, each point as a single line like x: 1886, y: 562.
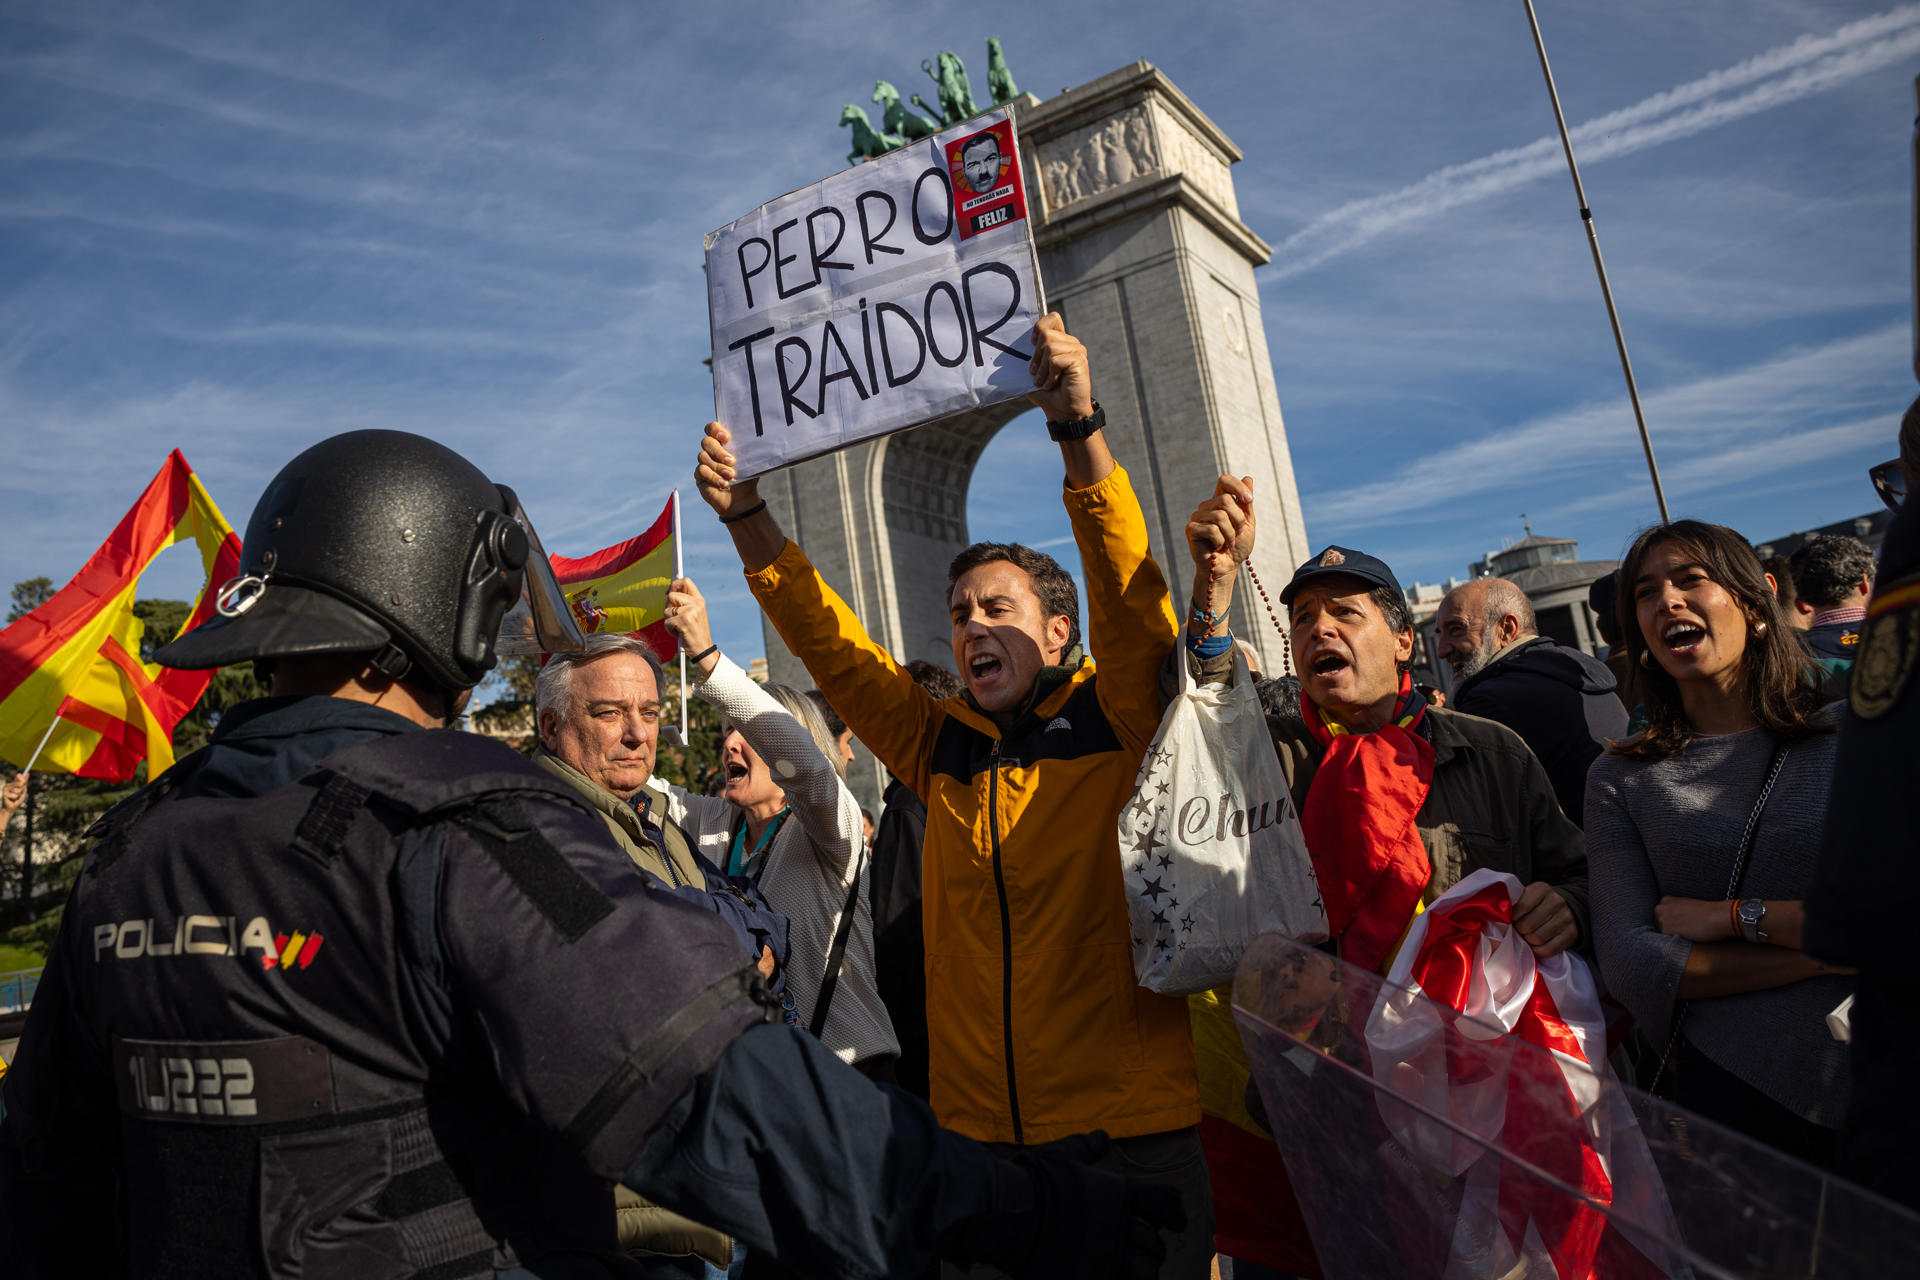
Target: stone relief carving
x: 1122, y: 149
x: 1197, y: 162
x: 1098, y: 158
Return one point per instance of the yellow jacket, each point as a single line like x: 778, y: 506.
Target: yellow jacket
x: 1035, y: 1025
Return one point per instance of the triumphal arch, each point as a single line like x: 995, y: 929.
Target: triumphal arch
x: 1143, y: 252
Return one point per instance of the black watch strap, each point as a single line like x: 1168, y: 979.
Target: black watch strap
x: 1081, y: 429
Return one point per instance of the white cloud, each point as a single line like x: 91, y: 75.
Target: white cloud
x: 1728, y: 419
x: 1793, y: 71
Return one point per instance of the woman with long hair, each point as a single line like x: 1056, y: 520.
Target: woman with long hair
x: 785, y: 818
x: 1703, y: 834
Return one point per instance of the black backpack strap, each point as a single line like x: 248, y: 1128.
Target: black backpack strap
x: 837, y: 953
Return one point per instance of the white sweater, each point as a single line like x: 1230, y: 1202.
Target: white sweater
x: 807, y: 870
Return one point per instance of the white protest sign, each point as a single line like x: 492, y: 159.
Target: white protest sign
x: 893, y: 294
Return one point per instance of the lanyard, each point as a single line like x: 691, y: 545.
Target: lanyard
x: 737, y: 857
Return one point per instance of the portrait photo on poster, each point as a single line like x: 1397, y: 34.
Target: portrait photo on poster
x: 895, y: 293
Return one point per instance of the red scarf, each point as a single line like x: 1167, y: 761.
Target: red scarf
x: 1358, y: 820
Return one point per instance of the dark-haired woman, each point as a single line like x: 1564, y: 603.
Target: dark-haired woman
x: 1703, y: 833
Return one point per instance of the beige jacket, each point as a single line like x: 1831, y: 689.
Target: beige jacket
x: 666, y: 855
x: 642, y: 1227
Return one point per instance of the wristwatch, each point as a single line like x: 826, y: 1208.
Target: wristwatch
x: 1752, y: 912
x: 1078, y: 430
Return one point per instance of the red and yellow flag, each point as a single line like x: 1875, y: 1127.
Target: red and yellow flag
x: 77, y: 657
x: 624, y: 587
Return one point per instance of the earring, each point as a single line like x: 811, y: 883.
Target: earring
x: 1644, y: 662
x: 1759, y: 628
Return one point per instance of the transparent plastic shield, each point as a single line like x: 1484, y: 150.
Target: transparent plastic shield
x: 541, y: 621
x: 1467, y: 1153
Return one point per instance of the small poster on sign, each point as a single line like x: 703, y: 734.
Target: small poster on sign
x: 896, y: 293
x: 987, y: 188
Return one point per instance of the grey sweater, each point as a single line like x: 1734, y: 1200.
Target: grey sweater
x: 1672, y: 827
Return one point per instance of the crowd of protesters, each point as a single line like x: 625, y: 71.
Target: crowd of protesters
x: 1664, y: 810
x: 1663, y: 806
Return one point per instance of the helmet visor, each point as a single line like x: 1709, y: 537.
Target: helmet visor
x: 540, y: 621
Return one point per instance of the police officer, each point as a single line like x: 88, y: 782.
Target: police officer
x: 1866, y: 897
x: 347, y: 993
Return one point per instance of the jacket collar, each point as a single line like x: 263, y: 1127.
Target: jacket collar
x: 1516, y: 647
x: 593, y: 793
x: 1051, y: 689
x: 1442, y: 733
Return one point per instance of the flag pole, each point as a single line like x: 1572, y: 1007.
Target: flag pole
x: 1599, y: 264
x: 34, y: 758
x: 680, y: 571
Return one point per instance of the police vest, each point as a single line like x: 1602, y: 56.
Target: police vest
x: 281, y: 1083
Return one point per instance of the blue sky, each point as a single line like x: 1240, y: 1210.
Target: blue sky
x: 238, y: 229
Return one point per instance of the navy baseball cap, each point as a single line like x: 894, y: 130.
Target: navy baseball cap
x: 1345, y: 562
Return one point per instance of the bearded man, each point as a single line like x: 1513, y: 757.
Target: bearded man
x: 1562, y: 702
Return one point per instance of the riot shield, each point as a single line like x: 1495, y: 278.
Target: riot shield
x: 1464, y: 1152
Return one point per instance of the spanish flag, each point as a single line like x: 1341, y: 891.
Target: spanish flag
x: 624, y: 587
x: 74, y: 663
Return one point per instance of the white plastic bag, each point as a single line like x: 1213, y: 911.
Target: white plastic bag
x: 1210, y: 844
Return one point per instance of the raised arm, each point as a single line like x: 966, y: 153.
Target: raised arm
x: 887, y: 711
x: 822, y: 805
x: 1128, y: 612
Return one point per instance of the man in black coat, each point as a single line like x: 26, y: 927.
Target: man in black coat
x: 1561, y: 701
x: 899, y: 942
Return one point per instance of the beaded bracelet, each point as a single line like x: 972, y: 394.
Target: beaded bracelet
x: 1207, y: 619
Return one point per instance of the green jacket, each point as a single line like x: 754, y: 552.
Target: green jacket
x: 662, y: 851
x: 665, y: 853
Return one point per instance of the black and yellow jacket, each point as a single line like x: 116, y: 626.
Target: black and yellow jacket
x: 1036, y: 1027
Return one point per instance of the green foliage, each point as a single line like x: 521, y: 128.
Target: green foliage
x: 697, y: 764
x: 28, y: 596
x: 503, y: 704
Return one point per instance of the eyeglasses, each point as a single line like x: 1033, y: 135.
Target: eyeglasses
x: 1890, y: 482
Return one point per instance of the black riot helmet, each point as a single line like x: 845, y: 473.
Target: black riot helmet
x: 387, y: 544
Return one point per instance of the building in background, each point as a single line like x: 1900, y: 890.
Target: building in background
x: 1870, y: 528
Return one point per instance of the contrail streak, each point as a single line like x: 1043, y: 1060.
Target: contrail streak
x: 1807, y: 66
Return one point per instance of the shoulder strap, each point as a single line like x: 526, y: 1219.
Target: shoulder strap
x: 110, y: 831
x: 1752, y: 833
x: 837, y: 953
x: 1734, y: 884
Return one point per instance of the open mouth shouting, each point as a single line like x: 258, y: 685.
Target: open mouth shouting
x: 1682, y: 637
x: 985, y: 670
x: 1328, y: 663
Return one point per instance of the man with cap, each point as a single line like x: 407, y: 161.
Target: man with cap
x: 348, y: 994
x: 1399, y: 799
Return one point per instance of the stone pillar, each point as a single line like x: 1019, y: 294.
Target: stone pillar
x: 1142, y: 250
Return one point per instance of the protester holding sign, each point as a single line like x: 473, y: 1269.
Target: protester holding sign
x: 1037, y: 1030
